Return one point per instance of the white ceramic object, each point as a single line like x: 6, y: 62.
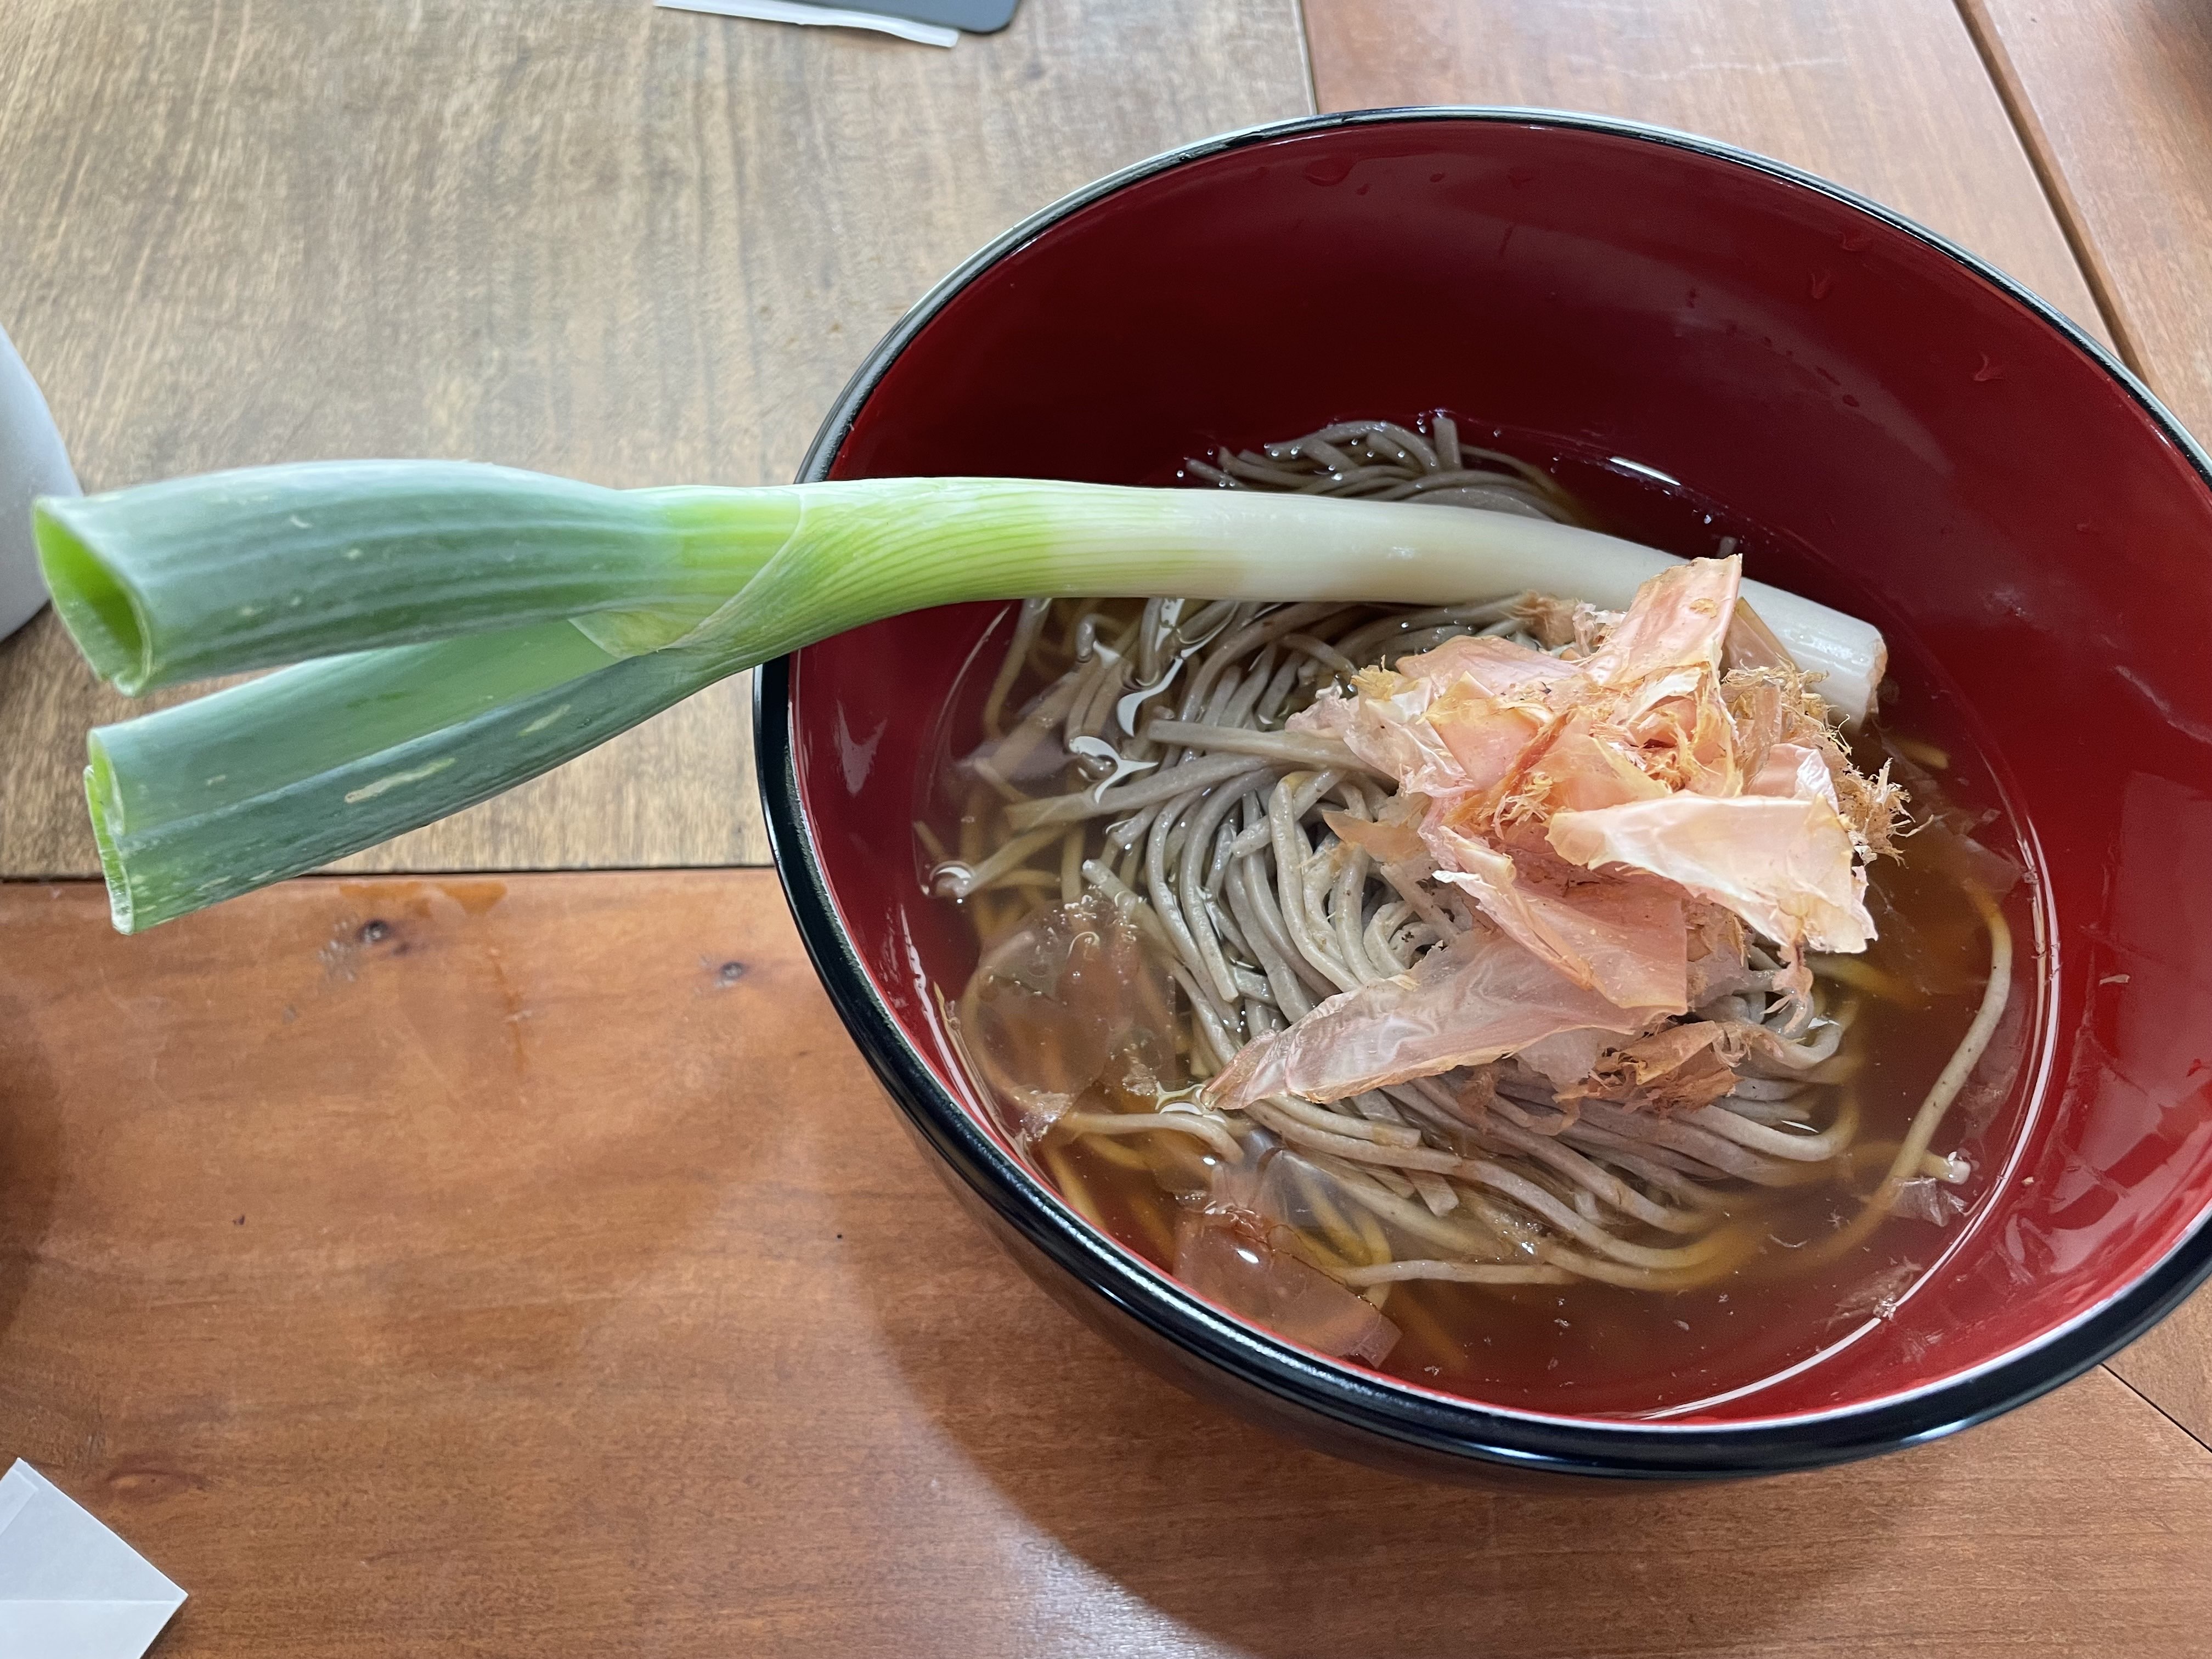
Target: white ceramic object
x: 32, y: 462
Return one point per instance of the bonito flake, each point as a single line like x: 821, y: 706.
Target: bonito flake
x: 1600, y: 810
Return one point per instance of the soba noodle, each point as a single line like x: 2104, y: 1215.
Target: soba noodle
x: 1148, y: 798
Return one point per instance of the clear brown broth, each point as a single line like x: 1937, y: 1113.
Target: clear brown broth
x: 1599, y: 1349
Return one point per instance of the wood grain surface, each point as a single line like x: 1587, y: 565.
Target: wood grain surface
x: 2116, y: 99
x: 595, y: 238
x: 1885, y: 96
x: 526, y: 1264
x: 529, y: 1265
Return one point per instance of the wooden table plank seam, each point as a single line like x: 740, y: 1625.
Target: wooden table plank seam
x: 462, y: 1343
x: 2196, y: 1436
x: 2120, y: 96
x: 2021, y: 110
x: 601, y: 239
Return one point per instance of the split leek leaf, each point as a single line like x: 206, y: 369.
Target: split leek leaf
x: 212, y: 798
x: 460, y: 628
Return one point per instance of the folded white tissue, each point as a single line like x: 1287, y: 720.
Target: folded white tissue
x: 70, y: 1589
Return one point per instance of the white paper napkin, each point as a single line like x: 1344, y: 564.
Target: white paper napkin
x: 70, y: 1589
x: 796, y: 11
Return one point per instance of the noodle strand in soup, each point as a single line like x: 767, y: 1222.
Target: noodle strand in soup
x: 1186, y: 831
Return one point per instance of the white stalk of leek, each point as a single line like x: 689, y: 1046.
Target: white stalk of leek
x: 460, y: 629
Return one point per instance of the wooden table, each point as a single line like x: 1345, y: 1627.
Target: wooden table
x: 443, y: 1260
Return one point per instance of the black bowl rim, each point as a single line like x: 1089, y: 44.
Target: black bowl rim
x: 1629, y: 1449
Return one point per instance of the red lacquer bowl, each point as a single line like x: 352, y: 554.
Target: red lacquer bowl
x: 1925, y: 443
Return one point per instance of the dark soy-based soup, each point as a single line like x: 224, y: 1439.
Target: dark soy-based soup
x: 1459, y: 1081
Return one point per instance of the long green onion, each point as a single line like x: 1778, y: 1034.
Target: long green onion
x: 233, y: 571
x: 460, y: 628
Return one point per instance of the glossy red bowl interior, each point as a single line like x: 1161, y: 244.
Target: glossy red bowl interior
x: 1923, y: 444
